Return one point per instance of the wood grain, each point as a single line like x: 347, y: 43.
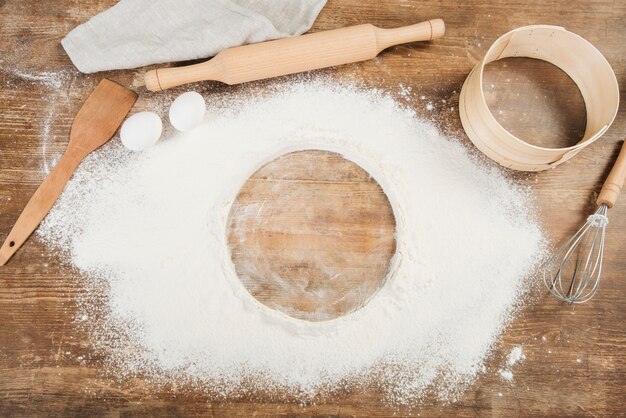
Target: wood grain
x: 95, y: 124
x: 312, y: 235
x: 575, y: 355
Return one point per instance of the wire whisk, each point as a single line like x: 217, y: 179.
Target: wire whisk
x: 573, y: 273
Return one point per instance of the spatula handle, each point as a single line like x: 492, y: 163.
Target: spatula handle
x: 615, y: 181
x: 294, y: 55
x: 38, y: 206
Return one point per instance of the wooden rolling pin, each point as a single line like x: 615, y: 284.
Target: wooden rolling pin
x: 294, y: 55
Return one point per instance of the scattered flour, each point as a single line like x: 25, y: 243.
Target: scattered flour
x: 515, y: 356
x: 507, y: 375
x: 50, y: 79
x: 162, y: 300
x: 57, y: 85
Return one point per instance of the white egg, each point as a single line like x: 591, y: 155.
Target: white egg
x: 141, y: 131
x: 187, y: 111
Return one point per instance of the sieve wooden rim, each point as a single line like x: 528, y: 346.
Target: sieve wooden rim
x: 578, y: 58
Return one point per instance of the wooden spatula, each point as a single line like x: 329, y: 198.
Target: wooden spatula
x: 95, y: 124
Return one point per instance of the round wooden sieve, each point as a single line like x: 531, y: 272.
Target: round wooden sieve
x: 579, y: 59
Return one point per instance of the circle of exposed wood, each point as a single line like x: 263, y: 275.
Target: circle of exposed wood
x: 312, y: 235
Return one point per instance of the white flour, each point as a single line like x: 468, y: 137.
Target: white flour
x: 147, y: 231
x: 49, y: 79
x: 515, y: 356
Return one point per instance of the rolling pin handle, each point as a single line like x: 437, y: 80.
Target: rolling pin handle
x: 152, y: 80
x: 438, y: 28
x: 423, y: 31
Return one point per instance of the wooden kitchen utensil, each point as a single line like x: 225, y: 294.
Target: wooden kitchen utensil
x: 294, y: 55
x: 96, y: 122
x: 578, y: 58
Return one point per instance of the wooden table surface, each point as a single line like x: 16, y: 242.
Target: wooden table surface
x: 575, y: 355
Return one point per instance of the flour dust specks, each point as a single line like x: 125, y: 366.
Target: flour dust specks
x: 147, y: 233
x: 515, y: 356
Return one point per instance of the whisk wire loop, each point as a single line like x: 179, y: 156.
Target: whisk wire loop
x: 587, y: 246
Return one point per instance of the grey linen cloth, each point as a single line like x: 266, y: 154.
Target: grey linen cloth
x: 135, y: 33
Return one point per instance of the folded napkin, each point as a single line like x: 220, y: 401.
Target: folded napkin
x: 134, y: 33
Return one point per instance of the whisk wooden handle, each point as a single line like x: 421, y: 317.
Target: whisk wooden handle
x: 293, y: 55
x: 614, y: 182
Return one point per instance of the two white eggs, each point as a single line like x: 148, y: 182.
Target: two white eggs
x: 143, y: 129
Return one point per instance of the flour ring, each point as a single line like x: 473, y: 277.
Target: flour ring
x: 467, y: 241
x: 374, y: 171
